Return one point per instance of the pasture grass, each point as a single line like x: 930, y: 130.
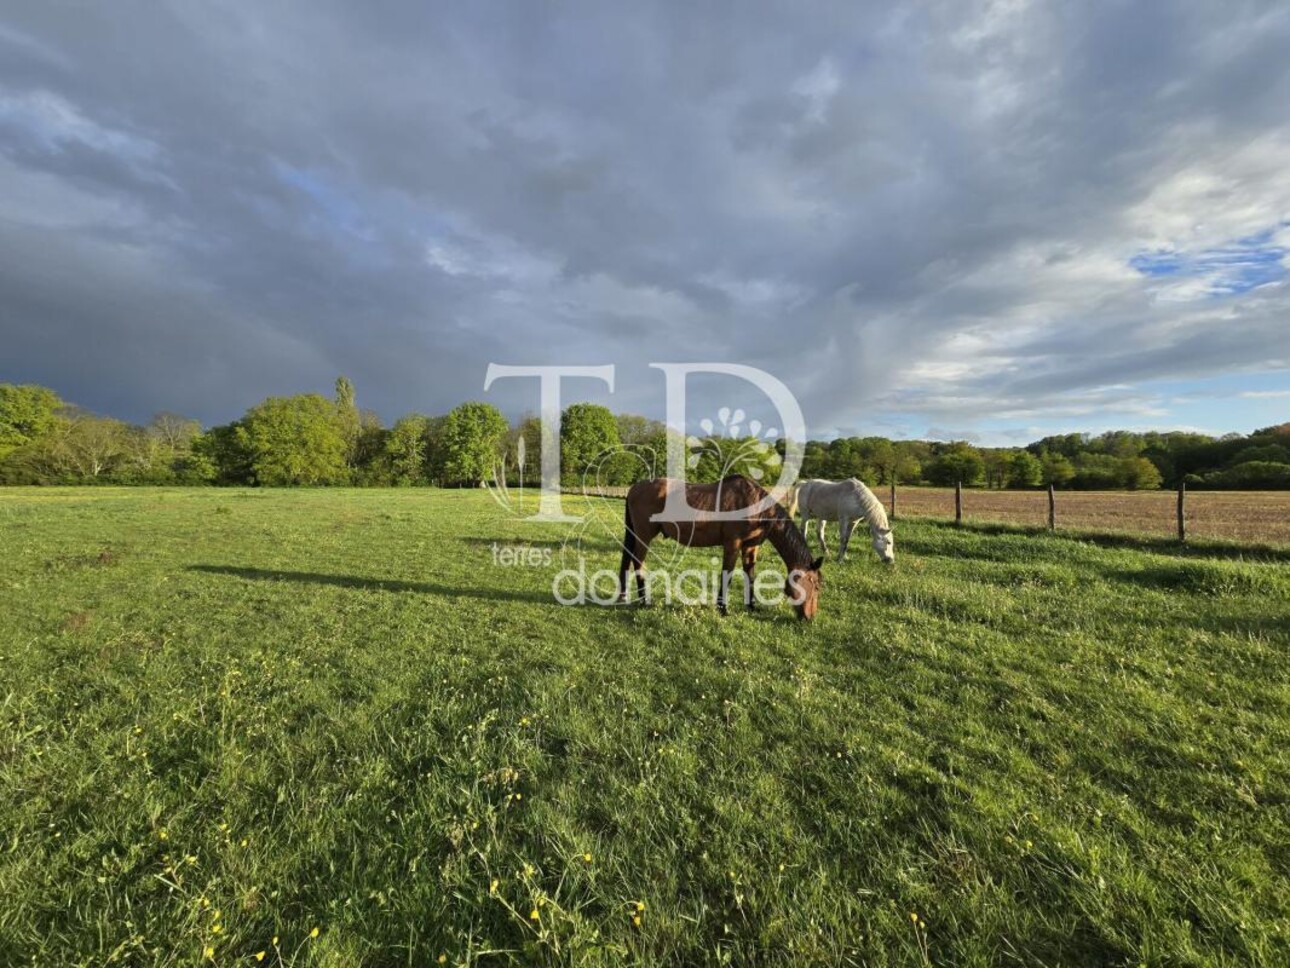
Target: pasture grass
x: 229, y: 718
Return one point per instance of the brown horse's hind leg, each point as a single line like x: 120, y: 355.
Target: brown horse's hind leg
x: 642, y: 550
x: 632, y: 557
x: 750, y: 565
x: 728, y: 561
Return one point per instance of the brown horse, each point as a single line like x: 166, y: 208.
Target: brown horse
x: 739, y: 538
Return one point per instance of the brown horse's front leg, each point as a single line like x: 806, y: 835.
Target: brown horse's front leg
x: 729, y: 558
x: 750, y: 564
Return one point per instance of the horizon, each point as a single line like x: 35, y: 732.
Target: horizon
x: 514, y: 420
x: 991, y: 222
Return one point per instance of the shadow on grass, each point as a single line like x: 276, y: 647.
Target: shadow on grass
x: 375, y: 584
x: 1130, y: 542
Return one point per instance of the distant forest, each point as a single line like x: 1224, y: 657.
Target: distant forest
x: 309, y: 439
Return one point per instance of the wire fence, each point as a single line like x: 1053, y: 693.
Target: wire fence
x: 1253, y: 517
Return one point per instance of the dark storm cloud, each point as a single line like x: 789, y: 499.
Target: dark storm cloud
x: 931, y: 210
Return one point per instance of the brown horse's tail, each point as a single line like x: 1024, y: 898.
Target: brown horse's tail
x: 629, y: 551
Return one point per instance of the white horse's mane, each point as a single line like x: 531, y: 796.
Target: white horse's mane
x: 874, y: 513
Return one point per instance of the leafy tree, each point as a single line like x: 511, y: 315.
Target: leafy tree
x: 1095, y: 471
x: 371, y: 468
x: 850, y: 457
x: 998, y: 466
x: 406, y: 448
x: 588, y: 435
x: 1139, y: 474
x: 1057, y: 470
x: 90, y: 447
x: 1255, y: 474
x: 161, y: 452
x: 470, y: 442
x: 348, y: 419
x: 524, y: 445
x: 634, y: 430
x: 908, y: 469
x: 223, y: 454
x: 295, y: 440
x: 1025, y: 470
x: 957, y: 462
x: 718, y: 457
x: 814, y: 459
x: 27, y: 413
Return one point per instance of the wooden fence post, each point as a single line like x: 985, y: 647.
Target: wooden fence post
x: 1182, y: 511
x: 893, y: 499
x: 1052, y: 508
x: 958, y: 502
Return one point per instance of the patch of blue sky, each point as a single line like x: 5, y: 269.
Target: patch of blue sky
x: 1228, y: 270
x: 333, y: 203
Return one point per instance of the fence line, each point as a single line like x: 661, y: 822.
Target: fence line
x: 962, y: 506
x: 1252, y: 517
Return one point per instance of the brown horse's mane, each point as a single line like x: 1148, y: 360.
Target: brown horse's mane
x: 788, y: 539
x: 781, y: 530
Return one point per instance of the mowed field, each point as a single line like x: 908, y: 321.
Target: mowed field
x: 1259, y: 517
x: 324, y: 727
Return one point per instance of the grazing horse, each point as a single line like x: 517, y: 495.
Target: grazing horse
x: 740, y: 538
x: 845, y: 502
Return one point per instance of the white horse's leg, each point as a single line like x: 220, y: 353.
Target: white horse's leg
x: 820, y: 522
x: 845, y: 525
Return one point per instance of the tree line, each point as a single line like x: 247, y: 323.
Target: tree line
x: 309, y: 439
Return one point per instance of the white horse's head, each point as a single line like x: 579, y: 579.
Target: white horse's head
x: 884, y: 543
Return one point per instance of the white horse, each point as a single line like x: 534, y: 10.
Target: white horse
x: 845, y: 502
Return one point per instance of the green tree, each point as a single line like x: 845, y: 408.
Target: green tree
x: 1025, y: 470
x: 998, y: 467
x: 223, y: 455
x: 588, y: 435
x: 295, y: 440
x: 348, y: 418
x: 470, y: 442
x: 27, y: 413
x: 883, y: 458
x: 406, y: 448
x: 957, y: 462
x: 1139, y: 474
x: 634, y: 430
x: 1057, y: 470
x: 719, y: 457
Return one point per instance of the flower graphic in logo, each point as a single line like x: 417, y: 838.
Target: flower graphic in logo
x: 731, y: 450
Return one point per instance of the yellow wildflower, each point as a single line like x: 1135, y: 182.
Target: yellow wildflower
x: 533, y: 915
x: 313, y: 933
x: 259, y: 955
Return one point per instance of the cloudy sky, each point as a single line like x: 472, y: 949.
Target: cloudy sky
x: 996, y: 220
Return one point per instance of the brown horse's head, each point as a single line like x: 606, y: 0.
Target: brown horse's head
x: 803, y: 589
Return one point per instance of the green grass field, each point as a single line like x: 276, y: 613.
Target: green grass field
x: 228, y: 718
